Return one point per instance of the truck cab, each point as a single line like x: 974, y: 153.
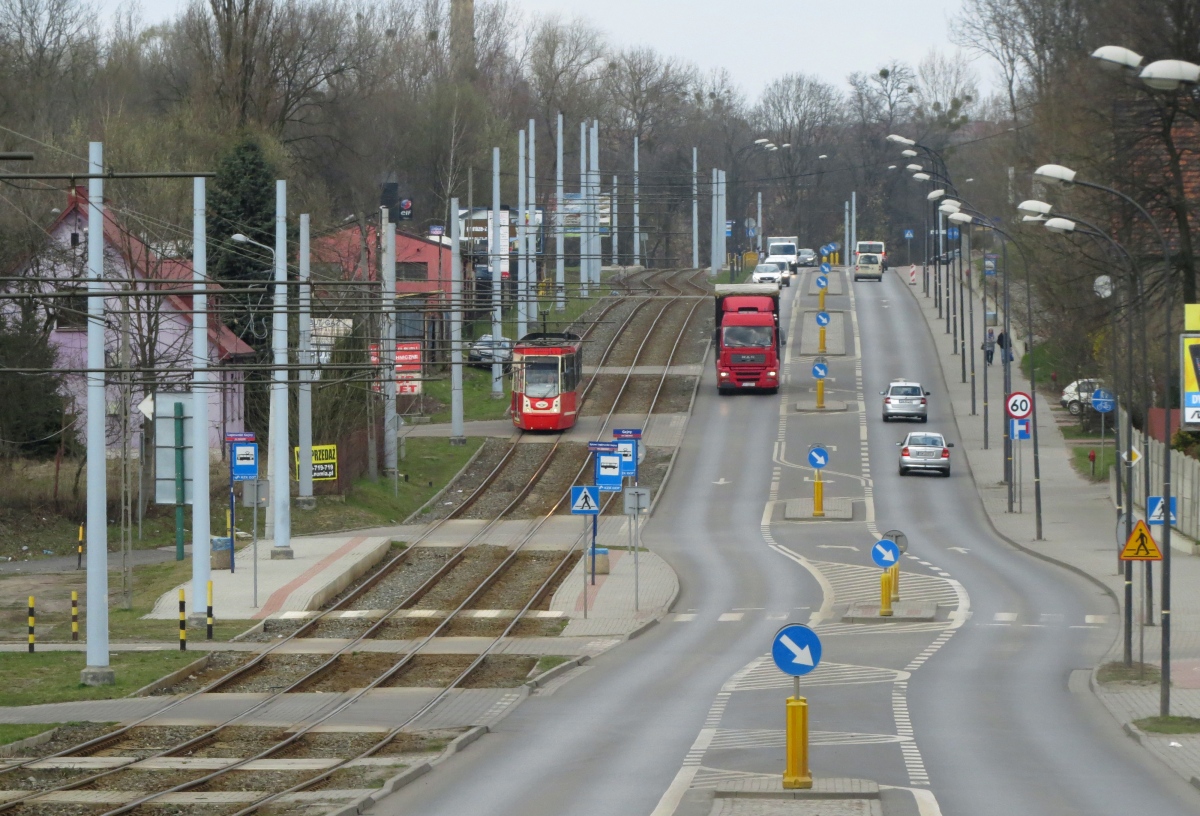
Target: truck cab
x: 748, y: 340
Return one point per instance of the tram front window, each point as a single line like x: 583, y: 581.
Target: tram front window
x: 541, y: 380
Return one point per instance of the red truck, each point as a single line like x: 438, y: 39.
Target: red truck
x: 748, y: 337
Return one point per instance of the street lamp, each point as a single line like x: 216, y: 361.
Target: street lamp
x: 1170, y: 75
x: 242, y: 239
x: 1034, y: 207
x: 922, y: 176
x: 935, y: 195
x: 893, y: 137
x: 916, y: 168
x: 1117, y: 58
x: 909, y: 153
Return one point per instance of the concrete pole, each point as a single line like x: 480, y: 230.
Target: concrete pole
x: 695, y: 211
x: 759, y: 227
x: 532, y: 228
x: 457, y: 433
x: 304, y: 401
x: 714, y: 249
x: 281, y: 505
x: 97, y: 671
x: 614, y: 224
x: 585, y: 277
x: 522, y: 244
x: 724, y: 217
x: 560, y: 271
x: 498, y: 243
x: 387, y: 341
x: 200, y: 394
x: 846, y: 234
x: 854, y: 226
x: 594, y: 156
x: 637, y: 208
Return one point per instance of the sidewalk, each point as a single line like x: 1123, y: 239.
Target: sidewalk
x: 1078, y: 532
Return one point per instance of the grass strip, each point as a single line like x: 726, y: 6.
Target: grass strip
x: 53, y: 677
x: 1169, y: 725
x: 13, y: 732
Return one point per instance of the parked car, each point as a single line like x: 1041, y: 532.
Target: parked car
x: 1077, y: 397
x: 906, y: 400
x: 485, y: 351
x: 925, y: 451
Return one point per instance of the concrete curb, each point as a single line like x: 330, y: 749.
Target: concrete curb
x: 29, y: 742
x: 253, y: 630
x: 446, y: 486
x: 200, y: 664
x: 562, y: 668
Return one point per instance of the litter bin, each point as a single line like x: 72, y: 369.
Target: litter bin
x: 601, y: 560
x: 220, y: 553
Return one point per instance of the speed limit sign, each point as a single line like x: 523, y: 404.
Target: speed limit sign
x: 1019, y: 405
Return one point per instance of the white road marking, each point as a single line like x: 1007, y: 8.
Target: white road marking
x: 1007, y: 617
x: 684, y: 617
x: 730, y: 616
x: 1095, y: 618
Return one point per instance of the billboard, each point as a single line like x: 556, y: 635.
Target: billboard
x: 408, y: 367
x: 572, y: 209
x: 1189, y: 370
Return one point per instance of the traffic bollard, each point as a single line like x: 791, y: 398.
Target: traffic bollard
x: 210, y: 617
x: 182, y: 622
x: 821, y: 340
x: 885, y: 594
x: 895, y: 570
x: 821, y: 300
x: 796, y: 773
x: 818, y: 496
x: 74, y: 615
x: 820, y: 393
x: 31, y: 617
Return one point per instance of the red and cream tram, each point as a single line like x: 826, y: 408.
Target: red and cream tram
x: 547, y: 371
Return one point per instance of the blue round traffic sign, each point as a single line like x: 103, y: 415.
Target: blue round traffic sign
x: 820, y: 370
x: 1103, y: 400
x: 952, y: 233
x: 885, y: 553
x: 818, y: 458
x: 822, y: 318
x: 796, y: 650
x: 826, y: 267
x: 822, y: 282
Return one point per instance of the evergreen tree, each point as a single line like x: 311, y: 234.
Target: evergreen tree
x: 31, y: 413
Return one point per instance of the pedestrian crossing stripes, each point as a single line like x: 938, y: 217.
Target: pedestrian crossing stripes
x: 735, y: 738
x: 858, y: 584
x: 913, y: 764
x: 708, y: 778
x: 838, y: 629
x: 763, y: 674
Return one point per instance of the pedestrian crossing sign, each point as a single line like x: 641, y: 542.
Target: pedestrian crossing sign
x: 1140, y: 546
x: 1156, y: 514
x: 585, y: 500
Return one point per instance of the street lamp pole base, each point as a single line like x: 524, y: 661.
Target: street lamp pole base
x: 282, y: 554
x: 98, y: 676
x: 458, y: 441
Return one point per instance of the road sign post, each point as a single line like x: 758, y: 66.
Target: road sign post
x: 886, y: 555
x: 820, y: 371
x: 637, y: 501
x: 585, y: 501
x: 796, y: 651
x: 822, y: 322
x: 818, y: 458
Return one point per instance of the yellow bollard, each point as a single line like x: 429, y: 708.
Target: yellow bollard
x: 796, y: 773
x: 820, y: 393
x: 821, y: 299
x: 818, y: 496
x: 885, y: 594
x: 895, y: 570
x: 31, y: 619
x: 182, y: 623
x: 821, y: 340
x: 79, y: 550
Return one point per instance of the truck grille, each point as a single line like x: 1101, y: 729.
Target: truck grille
x: 748, y: 358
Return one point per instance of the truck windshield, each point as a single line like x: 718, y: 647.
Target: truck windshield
x: 747, y: 336
x: 870, y: 246
x: 541, y: 380
x: 782, y: 249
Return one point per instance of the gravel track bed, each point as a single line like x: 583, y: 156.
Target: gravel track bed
x: 406, y: 628
x: 419, y: 742
x: 330, y: 745
x: 516, y: 585
x: 636, y: 397
x: 66, y: 736
x: 219, y: 665
x: 412, y: 628
x: 352, y: 671
x: 501, y: 671
x: 658, y: 350
x: 552, y: 486
x: 394, y: 551
x: 273, y: 629
x: 136, y: 779
x: 603, y: 330
x: 496, y: 671
x: 64, y: 810
x: 28, y: 779
x: 413, y: 571
x: 625, y: 351
x: 464, y: 578
x: 600, y: 398
x: 275, y: 673
x: 359, y: 777
x: 180, y: 810
x: 239, y: 741
x: 461, y: 489
x: 258, y: 780
x: 148, y: 740
x: 694, y: 346
x: 345, y: 628
x: 676, y: 395
x: 509, y: 482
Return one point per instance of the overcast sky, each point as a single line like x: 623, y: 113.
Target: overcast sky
x: 756, y: 40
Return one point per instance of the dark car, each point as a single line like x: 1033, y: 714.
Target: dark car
x: 485, y: 351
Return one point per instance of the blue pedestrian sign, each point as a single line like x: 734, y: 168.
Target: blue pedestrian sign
x: 1018, y: 428
x: 826, y: 267
x: 1103, y: 400
x: 796, y: 650
x: 822, y: 281
x: 820, y: 370
x: 1154, y: 511
x: 908, y: 234
x: 818, y: 458
x: 244, y: 464
x: 822, y: 318
x: 952, y: 233
x: 885, y: 553
x: 585, y: 500
x: 609, y: 473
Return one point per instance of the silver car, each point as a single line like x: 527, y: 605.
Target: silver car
x: 925, y: 451
x: 906, y: 400
x: 766, y: 273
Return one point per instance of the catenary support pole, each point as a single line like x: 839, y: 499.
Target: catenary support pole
x: 585, y: 277
x: 304, y: 398
x: 713, y: 249
x: 522, y: 213
x: 970, y: 272
x: 852, y: 249
x: 758, y: 228
x: 200, y: 395
x: 695, y: 209
x: 387, y: 342
x: 457, y: 433
x: 281, y: 508
x: 560, y: 269
x: 846, y: 259
x: 531, y: 228
x: 637, y: 205
x: 498, y: 247
x: 614, y: 226
x: 594, y: 158
x: 97, y: 672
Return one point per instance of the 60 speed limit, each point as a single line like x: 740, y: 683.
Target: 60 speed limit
x: 1019, y: 405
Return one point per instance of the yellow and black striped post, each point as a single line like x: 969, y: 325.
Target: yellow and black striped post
x: 210, y: 610
x: 74, y: 615
x: 182, y: 622
x: 31, y: 620
x: 79, y: 549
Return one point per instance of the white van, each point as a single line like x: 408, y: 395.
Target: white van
x: 868, y: 265
x: 874, y: 248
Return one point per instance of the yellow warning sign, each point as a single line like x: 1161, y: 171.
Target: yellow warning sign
x: 1141, y: 545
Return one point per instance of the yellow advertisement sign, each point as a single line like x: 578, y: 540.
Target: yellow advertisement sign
x: 324, y: 462
x: 1189, y: 370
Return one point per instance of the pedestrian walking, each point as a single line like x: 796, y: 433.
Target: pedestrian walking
x: 989, y: 346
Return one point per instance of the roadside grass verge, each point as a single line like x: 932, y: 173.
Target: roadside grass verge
x: 1142, y: 674
x: 12, y: 732
x: 53, y: 677
x: 1106, y: 459
x: 1169, y: 725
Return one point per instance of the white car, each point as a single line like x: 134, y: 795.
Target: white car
x: 766, y: 273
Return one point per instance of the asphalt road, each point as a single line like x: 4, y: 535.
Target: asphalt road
x: 973, y: 708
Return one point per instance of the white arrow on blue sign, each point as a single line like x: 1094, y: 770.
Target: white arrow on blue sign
x: 822, y: 282
x: 1154, y: 508
x: 885, y: 553
x: 796, y: 650
x: 822, y: 318
x: 826, y: 268
x: 1103, y: 400
x: 818, y: 458
x: 820, y: 370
